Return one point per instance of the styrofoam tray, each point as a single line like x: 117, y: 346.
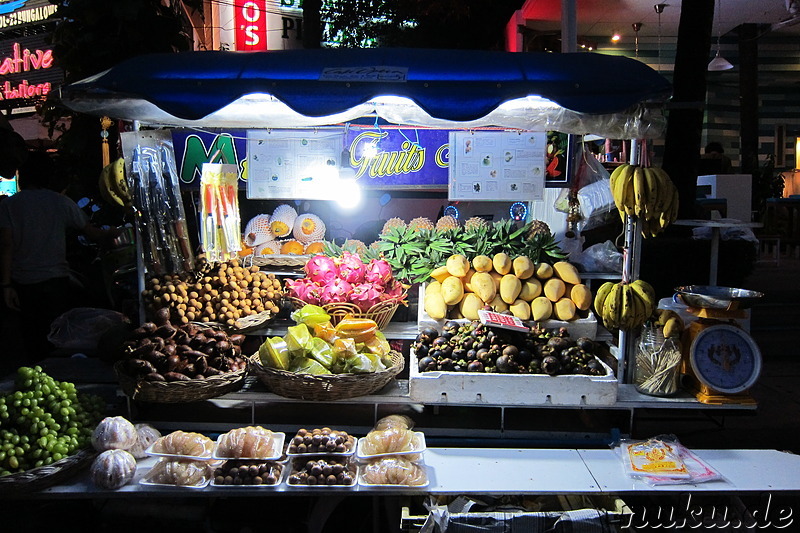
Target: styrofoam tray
x: 439, y: 387
x: 146, y: 481
x: 278, y: 440
x: 362, y: 483
x: 581, y: 327
x: 417, y: 447
x: 284, y: 474
x: 351, y: 466
x: 149, y: 451
x: 347, y: 453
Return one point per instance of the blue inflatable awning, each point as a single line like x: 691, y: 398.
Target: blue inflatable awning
x: 574, y: 93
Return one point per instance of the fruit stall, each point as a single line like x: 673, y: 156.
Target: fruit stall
x: 273, y: 354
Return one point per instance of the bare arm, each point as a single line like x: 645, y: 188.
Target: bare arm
x: 99, y: 235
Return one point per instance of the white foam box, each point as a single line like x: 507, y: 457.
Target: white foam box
x: 510, y: 389
x: 581, y: 327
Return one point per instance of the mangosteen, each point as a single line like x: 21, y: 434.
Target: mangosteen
x: 551, y: 365
x: 427, y: 363
x: 447, y: 350
x: 446, y: 335
x: 459, y: 353
x: 422, y: 350
x: 594, y: 364
x: 587, y: 344
x: 452, y: 326
x: 446, y: 364
x: 468, y: 343
x: 429, y: 332
x: 558, y: 343
x: 438, y: 342
x: 535, y: 366
x: 524, y: 357
x: 506, y: 364
x: 436, y: 354
x: 475, y: 366
x: 471, y: 355
x: 482, y: 354
x: 511, y: 351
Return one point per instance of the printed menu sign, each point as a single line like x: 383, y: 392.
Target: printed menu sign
x: 497, y: 165
x: 293, y: 164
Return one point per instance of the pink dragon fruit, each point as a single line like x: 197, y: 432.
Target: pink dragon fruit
x: 336, y: 291
x: 365, y: 295
x: 321, y: 269
x: 393, y: 290
x: 378, y: 271
x: 305, y: 289
x: 351, y: 268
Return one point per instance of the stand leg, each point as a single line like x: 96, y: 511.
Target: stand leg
x: 712, y: 275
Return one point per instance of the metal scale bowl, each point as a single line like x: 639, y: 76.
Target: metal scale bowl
x: 721, y: 360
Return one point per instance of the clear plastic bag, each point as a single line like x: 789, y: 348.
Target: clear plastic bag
x: 252, y: 442
x: 658, y: 363
x: 593, y: 191
x: 656, y: 457
x: 600, y: 257
x: 80, y: 328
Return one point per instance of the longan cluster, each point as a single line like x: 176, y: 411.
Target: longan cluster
x: 221, y: 294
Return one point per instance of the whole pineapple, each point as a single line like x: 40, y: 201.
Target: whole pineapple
x: 393, y: 223
x: 538, y: 227
x: 446, y: 222
x: 475, y: 223
x: 420, y: 223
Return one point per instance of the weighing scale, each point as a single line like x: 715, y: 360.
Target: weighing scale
x: 721, y: 361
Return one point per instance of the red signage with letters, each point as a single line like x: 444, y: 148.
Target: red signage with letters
x: 250, y: 18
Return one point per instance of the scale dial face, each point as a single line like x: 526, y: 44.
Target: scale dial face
x: 725, y: 358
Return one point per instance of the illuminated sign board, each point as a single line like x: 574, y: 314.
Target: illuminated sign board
x: 250, y: 17
x: 27, y: 73
x: 13, y: 14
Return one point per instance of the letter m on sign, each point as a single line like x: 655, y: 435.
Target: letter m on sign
x: 250, y: 19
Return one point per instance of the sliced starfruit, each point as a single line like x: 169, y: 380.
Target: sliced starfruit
x: 378, y: 344
x: 274, y: 353
x: 310, y: 315
x: 306, y: 365
x: 325, y: 331
x: 358, y: 329
x: 322, y: 352
x: 298, y: 340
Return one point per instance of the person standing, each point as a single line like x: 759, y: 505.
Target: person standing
x: 34, y: 271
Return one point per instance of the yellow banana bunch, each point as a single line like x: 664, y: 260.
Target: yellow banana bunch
x: 112, y: 185
x: 624, y: 305
x: 647, y: 193
x: 670, y: 321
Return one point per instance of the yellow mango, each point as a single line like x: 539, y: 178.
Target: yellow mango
x: 554, y: 289
x: 510, y: 287
x: 483, y: 285
x: 581, y: 296
x: 496, y: 276
x: 564, y: 309
x: 523, y: 267
x: 541, y: 308
x: 521, y: 309
x: 440, y: 273
x: 470, y: 306
x: 498, y: 304
x: 544, y: 271
x: 434, y: 287
x: 482, y: 263
x: 452, y: 290
x: 502, y: 263
x: 467, y: 281
x: 531, y: 288
x: 435, y: 306
x: 457, y: 265
x: 567, y: 272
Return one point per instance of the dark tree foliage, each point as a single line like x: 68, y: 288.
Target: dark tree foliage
x: 464, y: 24
x: 94, y: 35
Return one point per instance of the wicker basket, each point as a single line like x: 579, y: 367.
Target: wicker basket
x: 381, y: 312
x: 46, y: 476
x: 325, y: 386
x: 193, y: 390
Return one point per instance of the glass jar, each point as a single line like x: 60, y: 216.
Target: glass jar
x: 657, y: 370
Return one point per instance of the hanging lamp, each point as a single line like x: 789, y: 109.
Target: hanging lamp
x: 719, y: 63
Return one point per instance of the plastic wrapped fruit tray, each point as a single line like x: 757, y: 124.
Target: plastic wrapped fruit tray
x: 580, y: 327
x: 441, y: 387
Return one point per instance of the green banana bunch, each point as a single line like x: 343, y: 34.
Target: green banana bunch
x: 625, y: 306
x: 647, y: 193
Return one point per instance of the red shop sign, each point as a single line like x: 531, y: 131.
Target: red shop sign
x: 250, y: 17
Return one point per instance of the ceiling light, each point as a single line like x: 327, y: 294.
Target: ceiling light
x: 719, y: 63
x: 615, y: 37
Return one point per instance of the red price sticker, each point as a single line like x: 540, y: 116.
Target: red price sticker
x: 498, y: 320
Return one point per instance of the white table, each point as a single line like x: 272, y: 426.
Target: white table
x: 715, y: 226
